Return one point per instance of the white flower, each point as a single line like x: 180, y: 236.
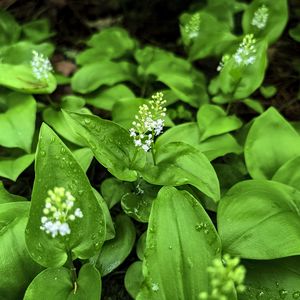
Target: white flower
x: 246, y: 53
x: 57, y: 211
x: 192, y: 27
x: 149, y: 122
x: 41, y: 66
x: 260, y: 17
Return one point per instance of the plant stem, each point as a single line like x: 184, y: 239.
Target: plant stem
x: 153, y: 154
x: 73, y: 271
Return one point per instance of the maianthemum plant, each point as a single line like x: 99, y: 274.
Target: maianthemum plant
x: 205, y: 209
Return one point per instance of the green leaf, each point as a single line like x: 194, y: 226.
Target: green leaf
x: 21, y: 52
x: 295, y: 33
x: 276, y: 22
x: 12, y: 167
x: 37, y: 30
x: 255, y: 105
x: 6, y: 197
x: 289, y: 173
x: 92, y: 76
x: 113, y: 190
x: 212, y: 120
x: 268, y: 91
x: 260, y: 220
x: 21, y: 79
x: 56, y: 283
x: 137, y: 204
x: 115, y: 251
x: 84, y: 157
x: 220, y: 145
x: 134, y: 278
x: 55, y: 166
x: 213, y: 38
x: 17, y: 267
x: 9, y: 28
x: 106, y: 98
x: 270, y: 143
x: 273, y: 279
x: 111, y: 144
x: 178, y: 164
x: 141, y: 246
x: 176, y: 73
x: 241, y: 81
x: 17, y: 123
x: 173, y: 268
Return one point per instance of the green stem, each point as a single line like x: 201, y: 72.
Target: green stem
x: 153, y: 154
x: 73, y: 271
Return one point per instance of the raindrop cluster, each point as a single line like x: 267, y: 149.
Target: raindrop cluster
x: 260, y: 17
x: 149, y: 122
x: 246, y: 53
x: 225, y: 275
x: 192, y: 27
x: 41, y: 66
x: 58, y: 211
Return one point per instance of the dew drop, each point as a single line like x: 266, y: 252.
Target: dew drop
x: 80, y: 192
x: 87, y: 121
x: 94, y: 236
x: 283, y: 293
x: 198, y: 227
x: 296, y: 295
x: 154, y: 287
x: 206, y: 231
x: 43, y: 153
x: 52, y: 139
x: 260, y: 294
x: 277, y: 284
x: 62, y: 150
x: 170, y: 247
x: 55, y: 278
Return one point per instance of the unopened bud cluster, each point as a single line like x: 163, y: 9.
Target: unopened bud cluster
x: 224, y: 278
x: 41, y: 66
x: 246, y: 53
x: 260, y: 17
x: 149, y: 122
x: 58, y: 212
x: 192, y: 27
x: 223, y: 61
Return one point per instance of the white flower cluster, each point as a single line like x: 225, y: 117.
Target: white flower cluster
x: 260, y: 17
x: 223, y: 61
x: 192, y: 27
x: 58, y: 211
x: 225, y: 275
x: 41, y: 66
x: 246, y: 53
x: 149, y: 122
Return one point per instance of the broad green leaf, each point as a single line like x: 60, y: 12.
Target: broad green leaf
x: 92, y: 76
x: 176, y: 73
x: 138, y: 203
x: 17, y: 123
x: 111, y: 144
x: 84, y: 157
x: 241, y: 81
x: 57, y: 283
x: 106, y: 98
x: 9, y: 28
x: 272, y: 279
x: 178, y: 164
x: 179, y: 248
x: 6, y: 197
x: 12, y: 167
x: 289, y: 173
x: 112, y: 190
x: 134, y: 278
x: 212, y: 120
x: 21, y: 79
x: 37, y: 30
x: 276, y: 20
x: 17, y: 267
x: 259, y: 220
x: 21, y: 52
x: 115, y: 251
x: 255, y: 105
x: 55, y: 166
x: 220, y: 145
x: 295, y: 33
x: 141, y: 246
x: 57, y: 121
x: 213, y: 37
x: 270, y: 143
